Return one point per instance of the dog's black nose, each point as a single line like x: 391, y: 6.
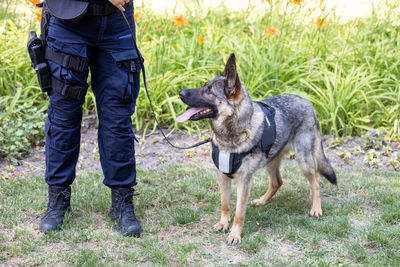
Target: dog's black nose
x: 184, y: 93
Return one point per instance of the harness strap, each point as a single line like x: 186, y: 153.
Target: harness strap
x: 67, y: 61
x: 269, y: 132
x: 72, y: 91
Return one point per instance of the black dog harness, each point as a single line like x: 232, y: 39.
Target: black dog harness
x: 229, y: 163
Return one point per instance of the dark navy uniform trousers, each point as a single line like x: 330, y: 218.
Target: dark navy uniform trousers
x: 115, y: 80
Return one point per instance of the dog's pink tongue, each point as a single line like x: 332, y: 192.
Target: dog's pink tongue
x: 189, y: 113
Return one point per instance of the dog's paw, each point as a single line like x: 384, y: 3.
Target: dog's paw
x: 233, y: 239
x: 316, y: 212
x: 257, y: 202
x: 221, y: 227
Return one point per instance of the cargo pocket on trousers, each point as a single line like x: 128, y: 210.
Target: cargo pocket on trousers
x: 119, y: 148
x: 63, y: 139
x: 132, y: 90
x: 129, y: 64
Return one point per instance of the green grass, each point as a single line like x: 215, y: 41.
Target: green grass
x: 178, y: 206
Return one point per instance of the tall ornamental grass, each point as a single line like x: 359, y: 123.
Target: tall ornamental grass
x: 348, y: 70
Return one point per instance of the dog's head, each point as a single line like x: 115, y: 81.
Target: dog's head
x: 217, y: 98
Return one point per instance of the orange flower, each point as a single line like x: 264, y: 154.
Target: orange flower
x: 180, y: 21
x: 38, y: 15
x: 37, y: 12
x: 200, y: 39
x: 34, y: 2
x: 269, y: 1
x: 356, y: 21
x: 297, y: 2
x: 320, y: 23
x: 137, y: 16
x: 272, y: 31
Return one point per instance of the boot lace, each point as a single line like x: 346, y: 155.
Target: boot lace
x: 127, y: 206
x: 57, y: 204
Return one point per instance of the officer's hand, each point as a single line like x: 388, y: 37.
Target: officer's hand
x: 119, y: 3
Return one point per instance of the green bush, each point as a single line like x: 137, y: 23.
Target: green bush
x: 349, y: 71
x: 20, y: 131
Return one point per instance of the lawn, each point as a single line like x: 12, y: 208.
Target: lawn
x: 179, y: 204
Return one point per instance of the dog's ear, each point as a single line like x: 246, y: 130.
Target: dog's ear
x: 232, y: 82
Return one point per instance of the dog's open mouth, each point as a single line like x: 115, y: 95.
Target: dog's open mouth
x: 195, y: 114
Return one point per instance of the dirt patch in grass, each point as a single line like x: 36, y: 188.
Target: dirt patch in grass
x: 154, y: 152
x: 151, y: 152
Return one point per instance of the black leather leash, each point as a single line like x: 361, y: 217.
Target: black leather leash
x: 148, y: 96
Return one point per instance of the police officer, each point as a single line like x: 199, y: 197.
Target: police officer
x: 81, y: 35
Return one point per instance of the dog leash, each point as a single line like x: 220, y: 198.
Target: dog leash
x: 148, y: 96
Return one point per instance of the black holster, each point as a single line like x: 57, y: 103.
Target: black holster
x: 36, y: 48
x: 40, y: 54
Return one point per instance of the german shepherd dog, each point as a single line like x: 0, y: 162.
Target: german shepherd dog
x: 237, y: 125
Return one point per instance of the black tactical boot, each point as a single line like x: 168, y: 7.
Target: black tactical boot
x: 123, y: 211
x: 59, y: 203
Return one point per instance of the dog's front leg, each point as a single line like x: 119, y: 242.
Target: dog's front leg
x: 224, y: 183
x: 243, y: 189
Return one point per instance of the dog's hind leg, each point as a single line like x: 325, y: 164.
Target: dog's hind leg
x: 316, y: 210
x: 275, y: 181
x: 304, y: 156
x: 224, y: 183
x: 243, y: 190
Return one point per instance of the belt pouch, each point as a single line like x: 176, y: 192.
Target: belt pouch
x: 67, y: 10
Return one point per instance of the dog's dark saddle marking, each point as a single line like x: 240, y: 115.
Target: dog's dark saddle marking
x: 229, y: 163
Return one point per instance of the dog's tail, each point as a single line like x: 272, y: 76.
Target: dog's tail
x: 323, y: 165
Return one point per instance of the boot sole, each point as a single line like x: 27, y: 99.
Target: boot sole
x: 45, y: 231
x: 58, y: 227
x: 131, y: 234
x: 134, y: 234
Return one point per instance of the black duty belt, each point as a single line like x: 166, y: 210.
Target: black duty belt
x: 73, y: 10
x: 101, y: 9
